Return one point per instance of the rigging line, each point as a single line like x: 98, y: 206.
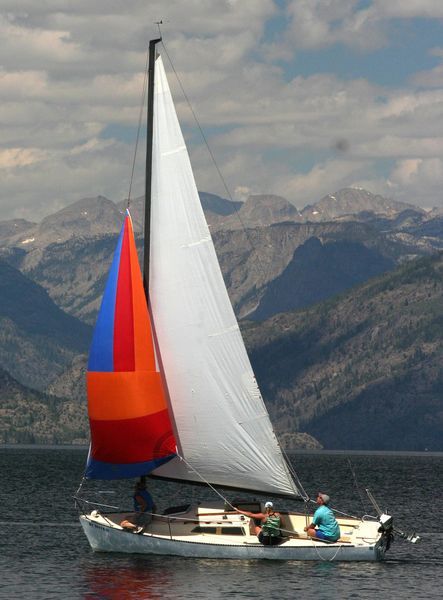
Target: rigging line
x: 293, y: 473
x: 323, y: 558
x: 77, y: 493
x: 206, y: 482
x: 140, y: 116
x: 100, y: 504
x: 202, y: 133
x: 339, y: 512
x: 354, y: 476
x: 217, y: 168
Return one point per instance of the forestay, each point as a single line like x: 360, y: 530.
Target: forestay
x: 223, y: 429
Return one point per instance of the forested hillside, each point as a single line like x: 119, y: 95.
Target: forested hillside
x: 363, y: 370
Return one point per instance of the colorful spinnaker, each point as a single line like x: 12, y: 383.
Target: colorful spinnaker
x: 131, y: 432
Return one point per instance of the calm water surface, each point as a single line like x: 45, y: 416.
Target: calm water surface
x: 45, y: 555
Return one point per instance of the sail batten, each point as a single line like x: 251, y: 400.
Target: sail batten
x: 225, y: 434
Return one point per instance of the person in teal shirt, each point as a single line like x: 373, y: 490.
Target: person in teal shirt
x: 324, y: 525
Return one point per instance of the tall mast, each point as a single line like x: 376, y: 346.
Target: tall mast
x: 148, y: 180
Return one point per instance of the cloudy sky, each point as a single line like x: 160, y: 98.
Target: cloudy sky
x: 296, y: 97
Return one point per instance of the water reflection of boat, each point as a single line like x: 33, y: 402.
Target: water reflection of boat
x: 124, y: 582
x: 171, y: 390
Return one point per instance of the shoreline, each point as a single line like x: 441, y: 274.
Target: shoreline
x: 84, y: 448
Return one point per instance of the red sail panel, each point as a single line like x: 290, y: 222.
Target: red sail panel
x: 130, y: 443
x: 124, y: 318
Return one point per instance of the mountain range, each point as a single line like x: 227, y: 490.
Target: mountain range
x: 38, y: 340
x: 281, y: 266
x: 362, y: 370
x: 31, y: 417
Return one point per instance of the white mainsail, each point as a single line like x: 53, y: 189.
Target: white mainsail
x: 223, y: 428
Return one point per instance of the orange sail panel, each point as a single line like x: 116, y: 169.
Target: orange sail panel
x: 131, y: 432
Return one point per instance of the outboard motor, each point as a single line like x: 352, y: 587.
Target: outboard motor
x: 387, y: 526
x: 386, y: 522
x: 386, y: 529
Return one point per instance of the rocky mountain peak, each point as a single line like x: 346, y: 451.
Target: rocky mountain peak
x: 88, y: 216
x: 261, y: 210
x: 269, y: 209
x: 352, y: 201
x: 14, y: 230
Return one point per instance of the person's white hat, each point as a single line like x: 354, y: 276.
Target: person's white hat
x: 269, y: 505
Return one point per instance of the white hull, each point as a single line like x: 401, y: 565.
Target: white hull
x: 105, y: 535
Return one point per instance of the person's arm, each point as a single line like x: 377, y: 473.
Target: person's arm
x: 313, y: 523
x: 251, y: 515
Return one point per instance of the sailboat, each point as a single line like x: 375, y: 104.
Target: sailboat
x: 171, y: 391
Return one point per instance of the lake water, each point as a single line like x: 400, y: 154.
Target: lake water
x: 44, y: 553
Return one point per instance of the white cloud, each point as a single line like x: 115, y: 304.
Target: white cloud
x: 406, y: 9
x: 71, y: 71
x: 20, y: 157
x: 61, y: 177
x: 431, y: 78
x: 405, y: 171
x: 418, y: 180
x: 320, y: 23
x: 24, y: 46
x: 307, y: 188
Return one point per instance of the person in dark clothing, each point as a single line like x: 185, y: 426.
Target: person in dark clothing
x: 143, y: 508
